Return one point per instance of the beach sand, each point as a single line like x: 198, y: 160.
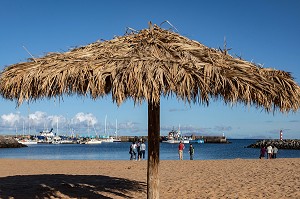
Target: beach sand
x: 237, y: 178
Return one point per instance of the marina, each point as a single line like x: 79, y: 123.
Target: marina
x: 173, y: 137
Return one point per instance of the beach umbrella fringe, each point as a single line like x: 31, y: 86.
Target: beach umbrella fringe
x: 147, y: 64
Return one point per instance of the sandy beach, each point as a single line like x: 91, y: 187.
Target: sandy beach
x: 238, y: 178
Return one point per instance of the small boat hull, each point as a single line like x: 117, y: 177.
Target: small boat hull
x: 93, y: 142
x: 197, y: 141
x: 27, y: 142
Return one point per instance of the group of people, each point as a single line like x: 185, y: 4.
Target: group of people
x: 271, y: 152
x: 181, y: 148
x: 137, y: 150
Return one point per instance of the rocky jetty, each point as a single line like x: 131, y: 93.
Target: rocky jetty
x: 280, y: 144
x: 10, y: 142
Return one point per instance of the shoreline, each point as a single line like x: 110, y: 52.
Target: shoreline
x: 232, y: 178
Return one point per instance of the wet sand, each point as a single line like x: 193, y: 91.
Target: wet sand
x: 238, y: 178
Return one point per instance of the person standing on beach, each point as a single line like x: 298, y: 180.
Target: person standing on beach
x: 143, y: 150
x: 270, y: 151
x: 180, y: 150
x: 262, y: 152
x: 275, y: 151
x: 191, y: 151
x: 132, y: 151
x: 138, y: 149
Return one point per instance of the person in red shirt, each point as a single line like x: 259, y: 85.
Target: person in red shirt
x: 180, y: 150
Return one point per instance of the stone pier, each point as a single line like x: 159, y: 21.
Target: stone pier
x: 280, y: 144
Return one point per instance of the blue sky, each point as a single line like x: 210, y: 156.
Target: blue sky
x: 265, y: 32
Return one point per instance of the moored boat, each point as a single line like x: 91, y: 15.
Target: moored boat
x: 116, y: 140
x: 93, y: 141
x: 174, y: 137
x: 27, y: 141
x: 107, y: 139
x: 199, y: 141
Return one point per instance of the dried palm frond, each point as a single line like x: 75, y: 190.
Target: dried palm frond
x: 147, y: 64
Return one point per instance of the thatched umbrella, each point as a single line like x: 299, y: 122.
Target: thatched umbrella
x: 144, y: 66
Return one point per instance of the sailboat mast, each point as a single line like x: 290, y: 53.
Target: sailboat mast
x: 28, y: 120
x: 57, y: 126
x: 116, y: 129
x: 88, y: 128
x: 23, y: 128
x: 105, y: 125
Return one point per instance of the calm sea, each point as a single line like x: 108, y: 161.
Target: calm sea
x: 119, y: 151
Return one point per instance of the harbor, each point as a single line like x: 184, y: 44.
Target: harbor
x: 54, y: 139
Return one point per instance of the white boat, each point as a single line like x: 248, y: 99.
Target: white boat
x: 93, y: 141
x: 67, y: 142
x: 56, y: 140
x: 111, y: 139
x: 174, y: 141
x: 174, y: 137
x: 116, y: 140
x: 60, y: 140
x: 27, y: 141
x: 46, y: 133
x: 44, y: 141
x: 107, y: 140
x: 106, y: 137
x: 171, y: 141
x: 45, y: 137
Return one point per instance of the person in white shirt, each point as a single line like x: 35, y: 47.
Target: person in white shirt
x: 143, y: 150
x: 132, y: 151
x: 270, y: 151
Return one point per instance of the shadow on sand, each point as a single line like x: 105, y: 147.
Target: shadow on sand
x: 68, y: 186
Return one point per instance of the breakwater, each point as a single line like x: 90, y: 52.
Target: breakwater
x: 10, y: 142
x: 280, y: 144
x: 206, y: 139
x: 132, y: 138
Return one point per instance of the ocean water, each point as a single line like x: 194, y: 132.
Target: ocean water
x: 119, y: 151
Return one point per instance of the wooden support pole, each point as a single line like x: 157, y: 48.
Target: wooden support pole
x: 153, y: 150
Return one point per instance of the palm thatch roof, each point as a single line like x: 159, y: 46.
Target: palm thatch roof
x: 147, y: 64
